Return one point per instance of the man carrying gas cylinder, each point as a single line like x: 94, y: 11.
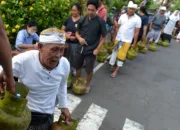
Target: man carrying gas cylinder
x: 44, y: 72
x: 128, y: 27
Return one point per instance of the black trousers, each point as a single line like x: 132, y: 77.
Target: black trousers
x: 166, y: 37
x: 40, y: 121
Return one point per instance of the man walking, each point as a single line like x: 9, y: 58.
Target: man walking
x: 91, y: 33
x: 45, y: 73
x: 129, y: 25
x: 157, y: 25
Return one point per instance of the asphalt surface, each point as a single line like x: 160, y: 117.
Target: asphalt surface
x: 146, y: 90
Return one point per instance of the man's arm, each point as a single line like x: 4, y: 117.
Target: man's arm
x: 137, y: 29
x: 103, y: 32
x: 144, y: 32
x: 150, y: 25
x: 81, y: 40
x: 62, y: 94
x: 136, y: 34
x: 5, y: 58
x: 101, y: 43
x: 26, y: 46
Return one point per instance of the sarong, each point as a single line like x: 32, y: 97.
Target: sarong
x: 119, y: 53
x: 40, y: 121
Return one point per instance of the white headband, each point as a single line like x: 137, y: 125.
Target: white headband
x: 52, y: 36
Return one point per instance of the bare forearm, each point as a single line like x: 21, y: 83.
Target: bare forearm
x: 26, y: 46
x: 150, y: 25
x: 144, y: 30
x: 101, y: 42
x: 136, y: 34
x: 5, y: 52
x: 78, y: 35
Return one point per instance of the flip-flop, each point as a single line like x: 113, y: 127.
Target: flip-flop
x: 113, y: 76
x: 87, y: 90
x: 111, y: 70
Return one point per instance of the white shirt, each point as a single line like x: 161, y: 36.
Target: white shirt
x: 167, y: 14
x: 127, y: 27
x: 45, y: 86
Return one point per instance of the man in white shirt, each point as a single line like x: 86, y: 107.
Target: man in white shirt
x: 128, y: 28
x: 44, y: 72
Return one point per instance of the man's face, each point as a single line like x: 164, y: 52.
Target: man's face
x: 162, y: 12
x: 131, y: 11
x: 91, y: 10
x: 50, y: 55
x: 169, y: 8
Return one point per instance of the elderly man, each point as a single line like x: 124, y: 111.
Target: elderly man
x: 5, y: 60
x: 44, y: 72
x: 129, y: 25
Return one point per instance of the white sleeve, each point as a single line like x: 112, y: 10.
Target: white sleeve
x: 62, y: 93
x: 120, y: 20
x: 138, y: 23
x: 17, y: 66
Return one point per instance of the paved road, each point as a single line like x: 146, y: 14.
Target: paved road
x: 146, y: 91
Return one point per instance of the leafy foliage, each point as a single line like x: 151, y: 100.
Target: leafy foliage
x: 16, y: 13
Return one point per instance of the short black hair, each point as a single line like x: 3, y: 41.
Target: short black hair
x: 93, y: 2
x: 31, y: 23
x: 143, y: 9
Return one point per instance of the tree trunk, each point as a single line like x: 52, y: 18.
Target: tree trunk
x: 167, y: 2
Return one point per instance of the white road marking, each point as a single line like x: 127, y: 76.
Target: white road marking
x: 73, y: 102
x: 100, y: 65
x: 131, y: 125
x: 93, y: 118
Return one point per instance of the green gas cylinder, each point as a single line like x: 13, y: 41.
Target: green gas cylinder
x: 14, y: 114
x: 60, y: 125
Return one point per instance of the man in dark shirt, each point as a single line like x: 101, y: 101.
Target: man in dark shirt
x: 91, y: 33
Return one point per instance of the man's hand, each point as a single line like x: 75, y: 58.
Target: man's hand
x: 82, y: 41
x: 65, y: 112
x: 8, y: 82
x: 36, y: 45
x: 133, y: 45
x: 95, y: 52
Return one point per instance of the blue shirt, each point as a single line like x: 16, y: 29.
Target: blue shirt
x: 145, y: 20
x: 24, y: 38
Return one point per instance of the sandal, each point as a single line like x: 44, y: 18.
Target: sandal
x: 87, y: 89
x: 113, y: 75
